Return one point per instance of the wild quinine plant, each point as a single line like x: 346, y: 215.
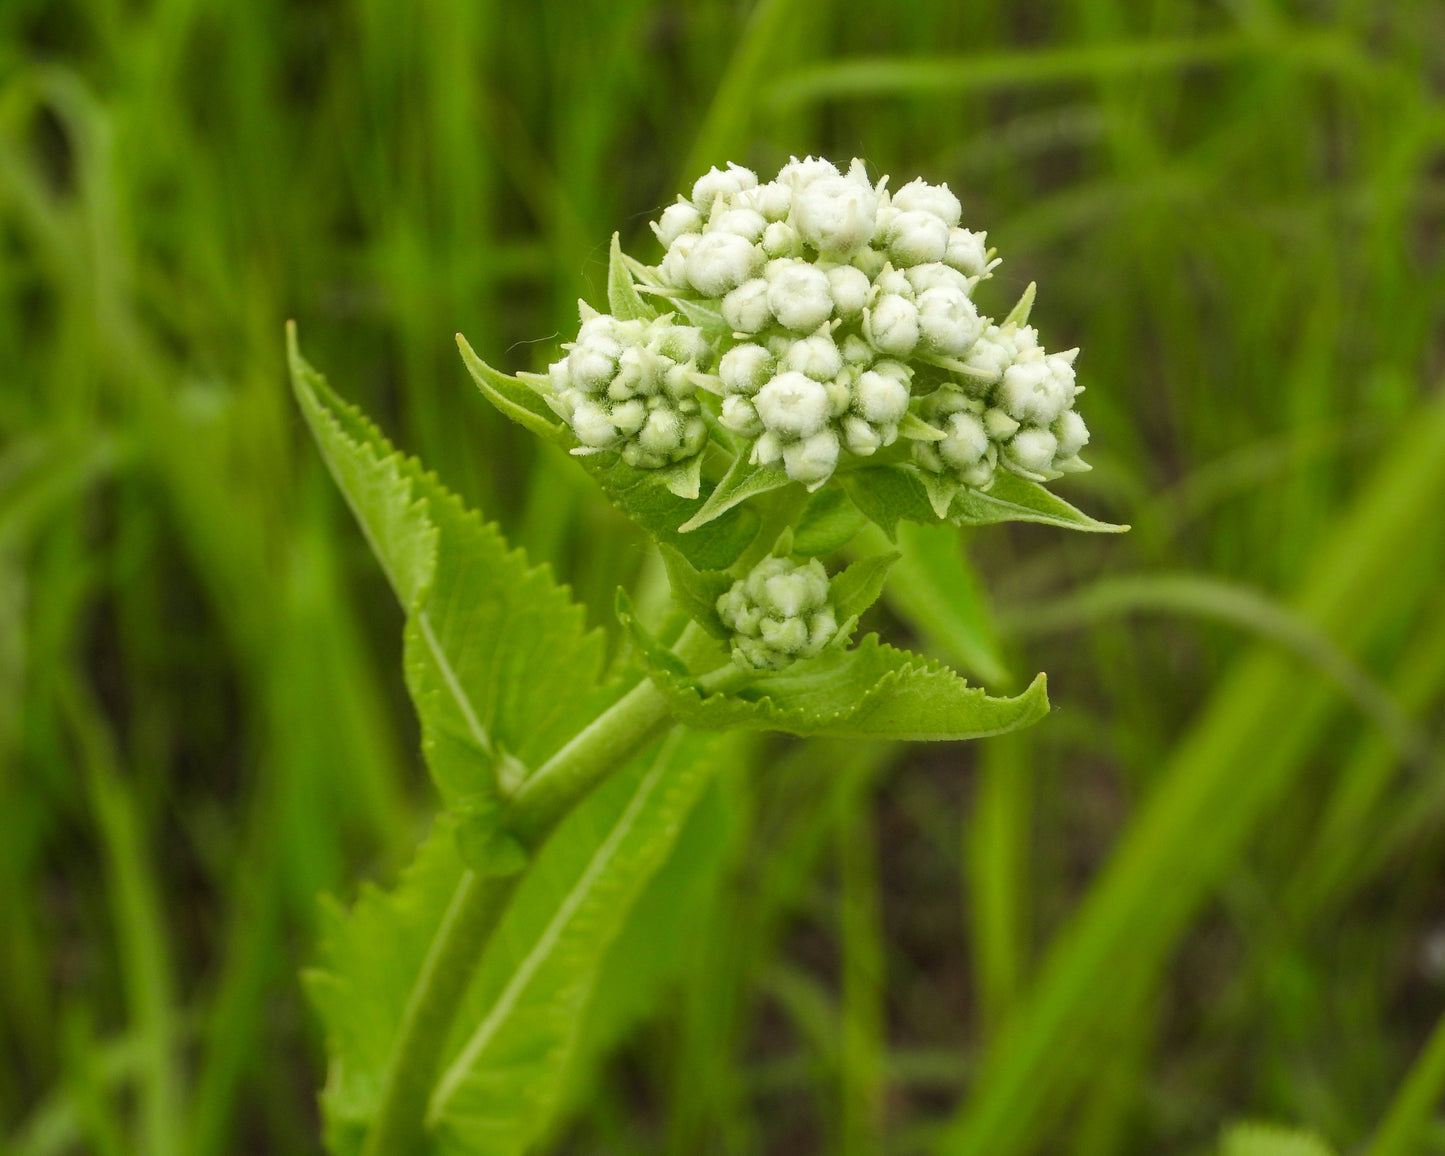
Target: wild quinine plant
x: 805, y: 358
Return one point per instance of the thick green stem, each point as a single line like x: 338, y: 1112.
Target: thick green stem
x: 610, y: 741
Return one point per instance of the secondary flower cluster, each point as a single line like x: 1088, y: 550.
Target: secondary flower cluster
x: 630, y: 386
x: 838, y: 316
x: 779, y: 613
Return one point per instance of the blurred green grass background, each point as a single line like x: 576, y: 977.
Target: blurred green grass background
x: 1209, y: 886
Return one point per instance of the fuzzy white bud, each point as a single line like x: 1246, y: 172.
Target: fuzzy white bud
x: 947, y: 320
x: 916, y: 238
x: 746, y: 307
x: 849, y: 289
x: 817, y: 357
x: 675, y: 221
x: 920, y: 196
x: 720, y: 262
x: 835, y: 214
x: 793, y: 405
x: 745, y: 223
x: 798, y: 295
x: 745, y: 368
x: 721, y: 183
x: 967, y: 252
x: 892, y: 325
x: 811, y: 461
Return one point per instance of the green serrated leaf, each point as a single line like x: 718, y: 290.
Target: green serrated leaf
x: 376, y: 484
x: 741, y: 482
x: 858, y: 587
x: 697, y: 591
x: 871, y: 691
x: 1015, y: 499
x: 370, y: 959
x: 515, y: 398
x: 828, y: 523
x: 622, y: 295
x: 498, y: 657
x: 502, y: 1079
x: 500, y: 1086
x: 888, y: 494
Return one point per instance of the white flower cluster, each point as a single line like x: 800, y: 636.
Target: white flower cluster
x: 631, y: 386
x: 779, y: 613
x: 1014, y: 409
x: 830, y: 284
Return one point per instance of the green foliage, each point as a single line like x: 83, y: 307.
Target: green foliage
x: 1270, y: 1140
x: 499, y: 662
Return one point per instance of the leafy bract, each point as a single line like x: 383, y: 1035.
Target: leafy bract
x: 499, y: 661
x: 1015, y: 499
x: 740, y: 483
x: 660, y: 501
x: 871, y: 691
x: 892, y: 493
x: 829, y: 522
x: 622, y: 295
x: 522, y: 1022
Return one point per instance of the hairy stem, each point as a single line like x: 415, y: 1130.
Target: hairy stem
x: 627, y: 727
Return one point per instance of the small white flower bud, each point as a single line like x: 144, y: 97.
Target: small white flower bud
x: 787, y: 635
x: 800, y: 173
x: 1035, y: 391
x: 798, y: 295
x: 662, y: 434
x: 792, y: 405
x: 681, y: 343
x: 745, y: 223
x: 746, y: 307
x: 840, y: 394
x: 947, y: 320
x: 795, y: 592
x: 859, y: 437
x: 967, y: 252
x: 719, y: 262
x: 745, y: 368
x: 721, y: 183
x: 673, y: 266
x: 592, y: 426
x: 816, y: 357
x: 849, y: 288
x: 966, y: 443
x: 980, y: 476
x: 1033, y: 449
x: 772, y: 200
x: 629, y: 416
x: 768, y: 449
x: 1073, y: 435
x: 892, y: 325
x: 920, y: 196
x: 780, y: 239
x: 916, y: 238
x: 638, y: 372
x: 857, y: 352
x: 675, y: 221
x: 739, y: 416
x: 935, y: 275
x: 895, y: 281
x: 870, y: 262
x: 822, y: 629
x: 591, y: 366
x: 835, y: 214
x: 811, y: 460
x: 881, y: 397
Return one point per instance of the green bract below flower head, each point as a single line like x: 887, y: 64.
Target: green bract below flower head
x: 817, y: 318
